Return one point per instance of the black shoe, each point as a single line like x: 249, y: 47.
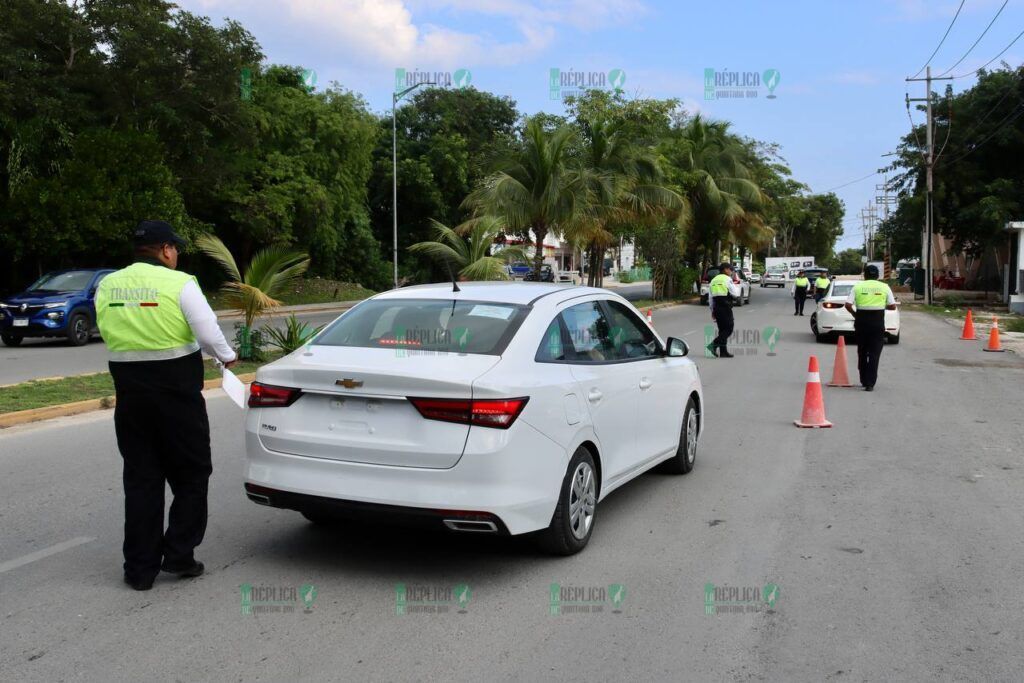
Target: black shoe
x: 795, y: 313
x: 189, y: 572
x: 870, y: 388
x: 138, y: 584
x: 725, y: 354
x: 712, y: 349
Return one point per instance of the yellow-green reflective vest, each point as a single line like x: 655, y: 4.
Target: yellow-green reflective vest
x: 720, y: 285
x: 139, y: 316
x: 803, y: 282
x: 871, y: 295
x: 821, y: 283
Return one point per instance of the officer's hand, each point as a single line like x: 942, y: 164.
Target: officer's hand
x: 231, y: 364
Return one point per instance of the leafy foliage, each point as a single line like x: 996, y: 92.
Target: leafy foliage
x: 294, y: 336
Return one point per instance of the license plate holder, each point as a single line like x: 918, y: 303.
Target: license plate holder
x: 21, y: 322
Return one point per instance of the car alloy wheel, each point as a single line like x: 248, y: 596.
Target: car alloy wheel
x: 582, y: 500
x: 691, y: 436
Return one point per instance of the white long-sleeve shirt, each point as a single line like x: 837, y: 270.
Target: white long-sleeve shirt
x: 203, y: 322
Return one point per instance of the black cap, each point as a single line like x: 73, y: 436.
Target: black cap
x: 724, y: 266
x: 871, y: 272
x: 156, y: 232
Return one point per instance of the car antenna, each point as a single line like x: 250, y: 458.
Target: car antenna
x: 455, y: 285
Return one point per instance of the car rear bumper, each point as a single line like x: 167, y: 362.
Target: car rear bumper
x: 511, y: 476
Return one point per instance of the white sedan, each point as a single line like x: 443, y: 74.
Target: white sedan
x: 831, y: 318
x: 500, y: 408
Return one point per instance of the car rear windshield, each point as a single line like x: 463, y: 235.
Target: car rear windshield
x: 427, y: 325
x: 841, y: 290
x: 71, y: 281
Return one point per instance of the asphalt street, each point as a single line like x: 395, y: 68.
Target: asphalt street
x: 39, y: 357
x: 894, y: 540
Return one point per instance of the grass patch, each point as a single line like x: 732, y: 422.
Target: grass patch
x: 941, y: 311
x: 1014, y: 324
x: 310, y: 291
x: 646, y: 303
x: 52, y: 392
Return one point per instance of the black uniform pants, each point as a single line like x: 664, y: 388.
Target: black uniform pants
x: 869, y: 328
x: 799, y: 297
x: 163, y: 434
x: 725, y: 320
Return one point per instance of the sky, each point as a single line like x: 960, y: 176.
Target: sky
x: 841, y: 64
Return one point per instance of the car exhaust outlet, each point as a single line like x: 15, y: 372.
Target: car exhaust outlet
x: 479, y: 526
x: 259, y: 498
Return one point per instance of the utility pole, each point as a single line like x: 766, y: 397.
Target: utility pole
x: 395, y: 98
x: 885, y: 200
x: 929, y: 167
x: 868, y: 217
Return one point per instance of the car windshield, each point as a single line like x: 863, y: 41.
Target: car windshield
x: 840, y: 290
x: 70, y: 281
x: 427, y: 325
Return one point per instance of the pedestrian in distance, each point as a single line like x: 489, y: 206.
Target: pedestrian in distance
x: 800, y: 287
x: 821, y: 284
x: 154, y: 320
x: 867, y: 303
x: 722, y: 292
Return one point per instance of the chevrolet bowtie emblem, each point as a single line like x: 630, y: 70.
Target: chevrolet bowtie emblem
x: 349, y: 383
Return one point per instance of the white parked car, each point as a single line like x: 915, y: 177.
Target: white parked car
x: 502, y: 408
x: 738, y: 277
x: 775, y: 278
x: 831, y: 318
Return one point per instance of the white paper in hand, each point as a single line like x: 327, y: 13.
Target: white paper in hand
x: 233, y: 387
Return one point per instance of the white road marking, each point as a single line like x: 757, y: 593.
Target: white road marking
x: 45, y: 552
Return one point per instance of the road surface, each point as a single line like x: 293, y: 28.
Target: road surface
x: 894, y: 540
x: 38, y: 358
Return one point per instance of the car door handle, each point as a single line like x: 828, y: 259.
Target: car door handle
x: 645, y: 384
x: 594, y: 396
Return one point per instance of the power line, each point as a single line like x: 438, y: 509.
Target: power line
x: 839, y: 187
x: 993, y: 59
x: 971, y: 48
x: 943, y: 39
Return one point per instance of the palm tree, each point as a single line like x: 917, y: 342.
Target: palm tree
x: 624, y: 184
x: 536, y: 188
x: 271, y: 272
x: 471, y: 257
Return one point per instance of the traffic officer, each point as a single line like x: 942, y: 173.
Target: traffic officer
x: 868, y: 301
x: 722, y: 291
x: 154, y: 321
x: 821, y: 284
x: 800, y: 286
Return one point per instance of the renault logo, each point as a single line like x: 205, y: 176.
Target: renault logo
x: 349, y: 383
x: 24, y: 307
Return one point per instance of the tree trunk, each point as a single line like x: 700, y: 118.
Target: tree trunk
x: 540, y: 231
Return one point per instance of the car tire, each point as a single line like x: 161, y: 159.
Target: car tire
x: 79, y: 331
x: 686, y: 454
x: 11, y: 340
x: 566, y: 536
x: 893, y: 338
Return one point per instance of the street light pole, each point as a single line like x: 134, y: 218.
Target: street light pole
x: 395, y: 98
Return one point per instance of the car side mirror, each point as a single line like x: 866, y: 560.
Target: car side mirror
x: 676, y: 348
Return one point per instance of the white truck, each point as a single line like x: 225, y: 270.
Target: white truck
x: 789, y: 266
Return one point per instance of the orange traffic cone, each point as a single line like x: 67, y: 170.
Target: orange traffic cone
x: 993, y: 337
x: 814, y: 403
x: 840, y: 376
x: 968, y: 327
x: 650, y: 318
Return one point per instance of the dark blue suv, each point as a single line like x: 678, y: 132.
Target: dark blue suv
x: 59, y: 304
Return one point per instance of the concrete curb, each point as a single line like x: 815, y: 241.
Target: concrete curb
x: 78, y: 407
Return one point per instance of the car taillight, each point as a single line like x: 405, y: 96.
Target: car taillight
x: 829, y: 304
x: 267, y: 396
x: 499, y: 413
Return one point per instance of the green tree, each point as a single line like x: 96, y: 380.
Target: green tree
x: 468, y: 250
